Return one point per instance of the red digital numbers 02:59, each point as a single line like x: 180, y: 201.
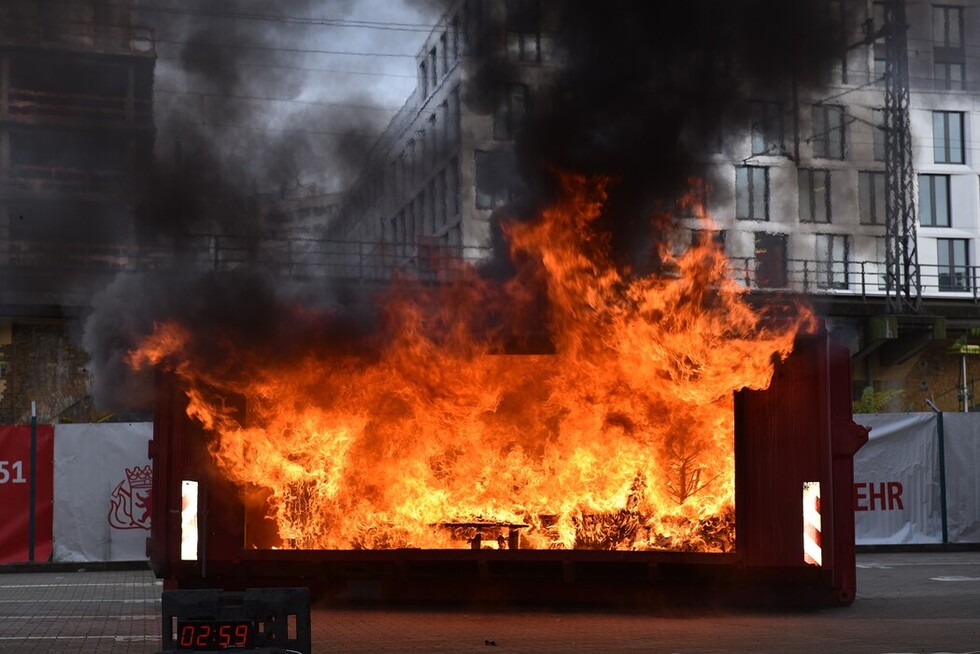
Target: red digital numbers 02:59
x: 212, y: 635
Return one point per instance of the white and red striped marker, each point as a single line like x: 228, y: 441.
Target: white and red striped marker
x: 812, y: 552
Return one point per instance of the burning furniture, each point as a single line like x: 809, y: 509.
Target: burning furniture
x: 793, y: 520
x: 669, y: 439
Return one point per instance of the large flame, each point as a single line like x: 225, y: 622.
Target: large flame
x: 621, y: 437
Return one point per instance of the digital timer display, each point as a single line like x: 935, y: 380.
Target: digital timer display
x: 214, y: 634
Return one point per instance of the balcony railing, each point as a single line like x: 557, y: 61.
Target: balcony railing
x: 26, y: 104
x: 862, y: 279
x: 309, y: 259
x: 85, y: 36
x: 287, y: 258
x: 63, y: 179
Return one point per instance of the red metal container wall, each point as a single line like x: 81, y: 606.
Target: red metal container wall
x: 798, y: 430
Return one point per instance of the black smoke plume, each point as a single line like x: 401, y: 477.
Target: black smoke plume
x: 648, y: 85
x: 640, y: 88
x: 221, y: 147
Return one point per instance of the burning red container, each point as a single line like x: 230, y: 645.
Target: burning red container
x: 794, y: 446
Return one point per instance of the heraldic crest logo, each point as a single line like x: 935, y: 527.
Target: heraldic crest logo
x: 130, y: 501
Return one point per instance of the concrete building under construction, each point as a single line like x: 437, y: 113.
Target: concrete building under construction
x: 76, y: 124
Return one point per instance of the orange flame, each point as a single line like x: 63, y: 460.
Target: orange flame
x: 622, y: 438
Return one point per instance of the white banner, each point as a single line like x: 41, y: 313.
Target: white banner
x: 896, y: 480
x: 962, y: 440
x: 102, y: 479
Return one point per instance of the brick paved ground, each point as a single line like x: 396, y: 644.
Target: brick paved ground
x: 107, y: 612
x: 915, y: 602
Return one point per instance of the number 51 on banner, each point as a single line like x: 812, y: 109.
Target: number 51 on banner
x: 12, y: 472
x: 15, y: 493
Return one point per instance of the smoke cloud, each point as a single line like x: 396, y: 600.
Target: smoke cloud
x: 648, y: 85
x: 642, y: 88
x: 250, y: 97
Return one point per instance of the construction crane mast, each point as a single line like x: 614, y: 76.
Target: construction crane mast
x: 903, y: 283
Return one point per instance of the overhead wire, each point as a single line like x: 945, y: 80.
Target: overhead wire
x: 255, y: 64
x: 296, y: 20
x: 274, y: 18
x: 263, y: 48
x: 230, y: 96
x: 255, y: 128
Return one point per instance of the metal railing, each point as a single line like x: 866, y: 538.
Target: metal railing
x: 287, y: 258
x: 90, y: 36
x: 65, y: 179
x: 862, y: 279
x: 311, y: 259
x: 76, y: 107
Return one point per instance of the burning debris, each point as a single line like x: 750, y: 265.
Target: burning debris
x: 621, y: 437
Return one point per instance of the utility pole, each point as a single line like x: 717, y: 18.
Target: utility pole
x: 903, y: 283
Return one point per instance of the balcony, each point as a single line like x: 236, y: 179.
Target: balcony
x: 44, y: 180
x: 39, y: 268
x: 307, y: 260
x: 858, y: 279
x: 71, y: 108
x: 76, y: 36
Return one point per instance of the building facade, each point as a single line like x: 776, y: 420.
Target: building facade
x: 801, y: 198
x: 445, y: 162
x: 76, y: 124
x: 798, y: 191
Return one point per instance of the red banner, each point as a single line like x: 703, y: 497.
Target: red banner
x: 15, y: 493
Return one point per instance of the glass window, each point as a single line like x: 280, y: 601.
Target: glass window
x: 454, y: 190
x: 879, y: 47
x: 878, y: 134
x: 948, y: 47
x: 523, y: 46
x: 954, y: 264
x: 523, y: 28
x: 871, y: 197
x: 455, y: 116
x: 814, y: 196
x: 881, y: 254
x: 832, y: 254
x: 442, y: 211
x: 828, y: 131
x: 947, y: 137
x: 934, y: 201
x: 947, y: 26
x: 510, y: 113
x: 752, y: 193
x: 444, y: 48
x: 444, y: 128
x: 767, y: 128
x: 837, y: 15
x: 429, y: 200
x: 948, y: 75
x: 407, y: 228
x: 455, y: 27
x: 770, y: 260
x: 412, y: 165
x: 432, y: 149
x: 495, y: 178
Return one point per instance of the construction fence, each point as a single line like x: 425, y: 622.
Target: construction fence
x: 916, y: 482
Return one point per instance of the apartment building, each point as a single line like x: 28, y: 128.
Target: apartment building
x: 802, y: 194
x: 797, y: 188
x: 445, y: 162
